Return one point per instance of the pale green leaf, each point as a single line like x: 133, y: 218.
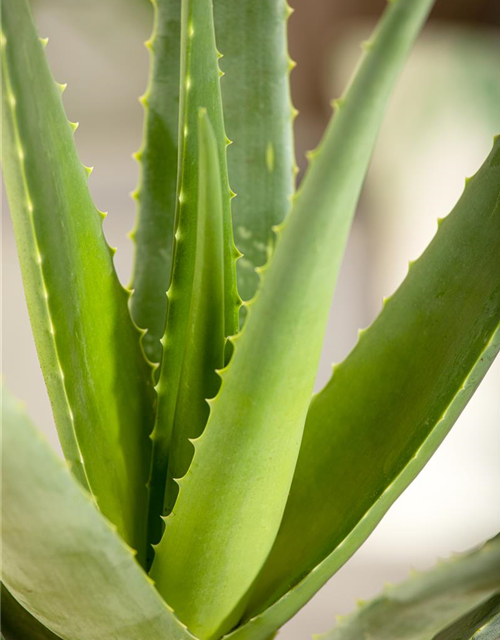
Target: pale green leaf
x: 389, y: 405
x: 155, y: 195
x: 18, y: 624
x: 98, y: 381
x: 258, y: 114
x: 483, y: 623
x: 232, y: 499
x: 421, y: 607
x: 205, y: 326
x: 61, y: 559
x: 200, y: 88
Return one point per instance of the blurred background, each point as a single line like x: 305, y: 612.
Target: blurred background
x: 438, y: 130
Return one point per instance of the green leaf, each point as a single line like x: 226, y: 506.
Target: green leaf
x: 390, y: 404
x: 258, y: 115
x: 200, y: 88
x: 97, y: 378
x: 18, y: 624
x: 483, y: 623
x: 421, y: 606
x: 205, y: 339
x: 232, y: 499
x: 61, y: 559
x: 155, y: 195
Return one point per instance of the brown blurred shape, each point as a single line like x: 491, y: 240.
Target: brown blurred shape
x: 315, y: 27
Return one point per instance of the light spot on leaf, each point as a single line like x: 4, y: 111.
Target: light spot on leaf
x: 270, y: 157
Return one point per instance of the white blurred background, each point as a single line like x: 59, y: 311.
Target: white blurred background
x: 438, y: 131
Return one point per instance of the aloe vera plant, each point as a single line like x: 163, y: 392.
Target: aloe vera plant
x: 194, y: 449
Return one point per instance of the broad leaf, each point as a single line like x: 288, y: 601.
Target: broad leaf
x: 232, y: 499
x: 200, y: 88
x: 155, y: 195
x: 482, y: 623
x: 18, y: 624
x: 97, y: 378
x: 258, y: 115
x: 421, y: 607
x: 390, y: 404
x: 61, y: 559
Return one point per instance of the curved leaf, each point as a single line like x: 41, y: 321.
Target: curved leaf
x: 155, y: 195
x: 258, y: 115
x: 18, y: 624
x: 98, y: 381
x: 61, y: 559
x: 232, y: 499
x: 205, y: 339
x: 390, y: 404
x: 420, y: 607
x: 200, y: 88
x: 483, y: 623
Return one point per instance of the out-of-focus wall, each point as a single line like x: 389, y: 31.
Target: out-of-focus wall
x: 437, y: 131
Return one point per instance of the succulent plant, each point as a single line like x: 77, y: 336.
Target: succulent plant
x: 205, y: 492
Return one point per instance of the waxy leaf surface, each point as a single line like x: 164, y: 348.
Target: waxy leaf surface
x: 422, y: 606
x: 98, y: 381
x: 155, y: 195
x: 200, y: 88
x: 205, y: 339
x: 258, y: 114
x: 482, y: 623
x: 18, y: 624
x: 392, y: 401
x: 232, y: 499
x: 61, y: 559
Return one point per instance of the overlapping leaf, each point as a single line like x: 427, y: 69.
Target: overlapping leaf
x: 392, y: 401
x: 232, y: 499
x: 419, y: 609
x: 61, y: 559
x: 205, y: 326
x: 200, y: 88
x: 18, y: 624
x: 97, y: 378
x: 155, y: 195
x: 258, y: 115
x: 482, y: 623
x: 367, y: 435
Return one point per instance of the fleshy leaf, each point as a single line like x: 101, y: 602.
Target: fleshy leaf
x: 61, y: 559
x: 232, y: 499
x: 483, y: 623
x: 258, y: 115
x: 389, y: 405
x: 205, y: 327
x: 18, y: 624
x: 200, y: 88
x: 423, y: 605
x: 98, y: 381
x: 155, y: 195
